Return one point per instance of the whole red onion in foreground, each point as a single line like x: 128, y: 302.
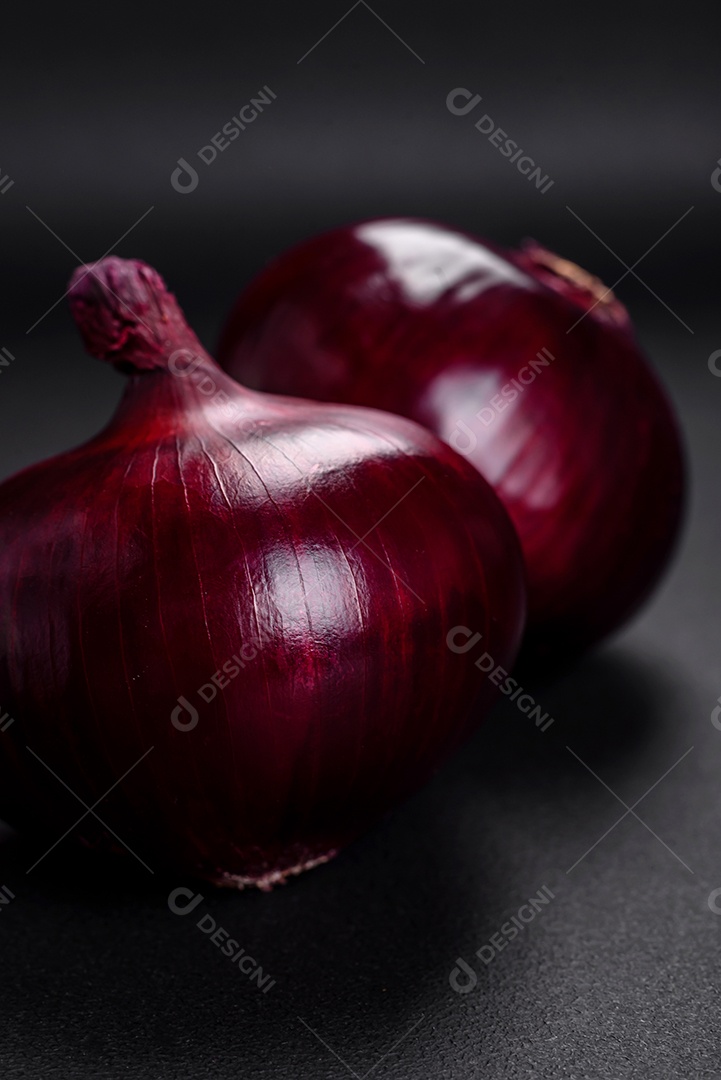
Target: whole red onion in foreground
x: 234, y: 609
x: 522, y: 362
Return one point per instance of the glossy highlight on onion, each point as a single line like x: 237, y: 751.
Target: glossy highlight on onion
x: 230, y: 611
x: 523, y: 362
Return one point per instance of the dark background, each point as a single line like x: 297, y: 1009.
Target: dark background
x: 619, y: 104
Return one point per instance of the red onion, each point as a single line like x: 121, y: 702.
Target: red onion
x: 235, y: 609
x: 521, y: 361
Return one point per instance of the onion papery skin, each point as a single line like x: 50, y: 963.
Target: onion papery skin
x: 330, y: 548
x: 435, y: 324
